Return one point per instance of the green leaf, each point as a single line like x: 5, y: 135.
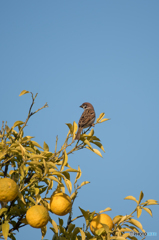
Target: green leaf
x: 139, y: 211
x: 99, y: 145
x: 24, y: 221
x: 85, y: 213
x: 45, y: 147
x: 43, y: 231
x: 141, y: 196
x: 60, y: 222
x: 17, y: 123
x: 71, y: 227
x: 5, y: 229
x: 23, y: 92
x: 75, y: 232
x: 147, y: 210
x: 66, y: 174
x: 131, y: 198
x: 21, y: 197
x: 70, y: 127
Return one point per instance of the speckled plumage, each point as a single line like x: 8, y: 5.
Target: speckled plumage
x: 87, y: 118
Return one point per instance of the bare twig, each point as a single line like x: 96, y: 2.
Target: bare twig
x: 31, y: 113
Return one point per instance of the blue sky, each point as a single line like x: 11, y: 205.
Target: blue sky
x: 104, y: 52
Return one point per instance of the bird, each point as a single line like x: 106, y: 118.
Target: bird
x: 87, y: 118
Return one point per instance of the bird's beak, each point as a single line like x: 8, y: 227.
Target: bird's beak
x: 81, y: 106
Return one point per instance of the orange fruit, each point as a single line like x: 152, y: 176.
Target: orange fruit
x: 97, y: 220
x: 8, y: 189
x: 60, y: 204
x: 37, y: 216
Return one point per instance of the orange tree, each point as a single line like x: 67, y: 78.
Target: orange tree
x: 27, y: 195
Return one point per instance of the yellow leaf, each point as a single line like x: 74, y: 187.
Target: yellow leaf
x: 97, y: 152
x: 131, y: 198
x: 23, y: 92
x: 88, y: 143
x: 117, y: 219
x: 105, y: 119
x: 91, y: 133
x: 71, y: 170
x: 151, y: 202
x: 36, y: 144
x: 100, y: 117
x: 75, y: 127
x: 123, y: 219
x: 82, y: 184
x: 68, y: 185
x: 22, y: 149
x: 17, y: 123
x: 5, y: 229
x: 54, y: 226
x: 3, y: 153
x: 82, y: 234
x: 2, y: 210
x: 147, y: 210
x: 139, y: 211
x: 11, y: 172
x: 141, y: 196
x: 45, y: 147
x: 136, y: 223
x: 54, y: 179
x: 78, y: 174
x: 64, y: 162
x: 105, y: 210
x: 36, y: 156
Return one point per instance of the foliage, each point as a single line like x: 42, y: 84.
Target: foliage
x: 35, y: 169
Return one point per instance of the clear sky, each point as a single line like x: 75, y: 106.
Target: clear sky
x: 105, y: 52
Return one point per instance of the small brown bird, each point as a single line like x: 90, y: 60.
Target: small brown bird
x: 87, y: 118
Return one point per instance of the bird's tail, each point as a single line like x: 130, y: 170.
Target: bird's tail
x: 78, y: 133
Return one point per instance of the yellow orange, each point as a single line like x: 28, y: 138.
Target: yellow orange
x: 37, y: 216
x: 8, y: 189
x: 97, y: 220
x: 60, y: 204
